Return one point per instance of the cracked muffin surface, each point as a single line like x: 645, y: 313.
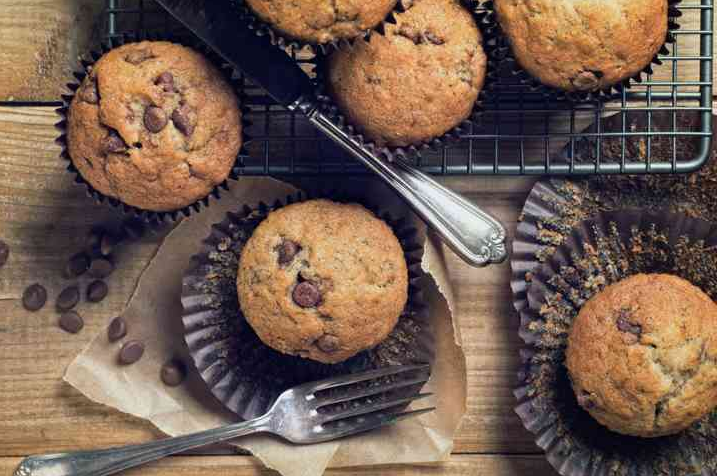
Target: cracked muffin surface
x: 154, y: 125
x: 642, y: 355
x: 416, y: 82
x: 322, y: 280
x: 322, y: 21
x: 583, y: 45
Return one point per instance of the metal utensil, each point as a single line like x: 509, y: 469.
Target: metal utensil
x: 299, y: 416
x: 473, y: 235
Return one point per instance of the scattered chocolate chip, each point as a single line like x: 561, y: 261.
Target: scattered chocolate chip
x: 166, y: 81
x: 34, y: 297
x: 173, y: 373
x: 117, y: 329
x: 77, y: 266
x: 328, y: 343
x: 107, y: 244
x: 138, y: 56
x: 624, y: 325
x: 97, y: 291
x: 131, y: 352
x: 181, y: 117
x: 133, y: 229
x: 4, y: 253
x: 71, y: 322
x: 68, y: 298
x: 287, y: 251
x: 89, y: 92
x: 306, y: 294
x: 155, y: 119
x: 101, y: 268
x: 114, y: 144
x: 433, y: 38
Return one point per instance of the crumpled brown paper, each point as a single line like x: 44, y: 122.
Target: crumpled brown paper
x: 154, y: 313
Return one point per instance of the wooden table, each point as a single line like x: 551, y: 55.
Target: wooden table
x: 44, y: 219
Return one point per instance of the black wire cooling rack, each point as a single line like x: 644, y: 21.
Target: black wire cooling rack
x: 522, y: 132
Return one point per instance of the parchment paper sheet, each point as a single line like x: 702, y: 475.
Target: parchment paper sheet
x: 153, y: 316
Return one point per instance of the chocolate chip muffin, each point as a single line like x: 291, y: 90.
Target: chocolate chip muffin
x: 322, y: 280
x: 322, y: 21
x: 583, y: 45
x: 415, y: 83
x: 642, y: 355
x: 154, y: 125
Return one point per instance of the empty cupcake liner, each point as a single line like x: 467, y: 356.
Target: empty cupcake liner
x: 332, y: 110
x: 281, y: 40
x: 149, y: 216
x: 504, y: 57
x: 600, y: 251
x: 243, y: 373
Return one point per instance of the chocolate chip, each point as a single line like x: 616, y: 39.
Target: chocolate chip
x: 4, y: 253
x: 166, y: 81
x: 287, y: 251
x: 34, y: 297
x: 89, y: 92
x: 624, y: 325
x: 113, y: 143
x: 131, y: 352
x: 328, y: 343
x: 173, y: 373
x: 306, y: 294
x: 433, y: 38
x: 71, y: 322
x: 107, y: 244
x: 68, y: 298
x: 138, y: 56
x: 181, y: 117
x: 77, y: 266
x: 155, y: 119
x: 133, y: 229
x: 101, y: 268
x: 117, y: 329
x: 97, y: 291
x: 585, y: 400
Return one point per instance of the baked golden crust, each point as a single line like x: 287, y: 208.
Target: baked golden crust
x: 352, y: 266
x: 154, y: 125
x: 642, y: 355
x: 416, y: 82
x: 584, y: 45
x: 322, y: 21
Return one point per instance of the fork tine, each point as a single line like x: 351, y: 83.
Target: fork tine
x: 371, y: 391
x: 371, y: 422
x: 362, y: 377
x: 374, y: 407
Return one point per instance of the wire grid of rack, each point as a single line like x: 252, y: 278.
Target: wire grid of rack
x: 521, y: 131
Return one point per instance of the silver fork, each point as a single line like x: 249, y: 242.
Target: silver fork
x: 299, y: 415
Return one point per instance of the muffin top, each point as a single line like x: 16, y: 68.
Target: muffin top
x: 584, y: 45
x: 642, y: 355
x: 154, y: 125
x: 322, y: 21
x: 417, y: 81
x: 322, y: 280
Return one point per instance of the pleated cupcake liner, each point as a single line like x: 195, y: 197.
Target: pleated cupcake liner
x: 598, y: 252
x: 245, y: 374
x: 281, y: 40
x: 333, y: 111
x: 503, y: 55
x: 150, y: 216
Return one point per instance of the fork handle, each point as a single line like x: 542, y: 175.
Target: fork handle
x: 114, y: 460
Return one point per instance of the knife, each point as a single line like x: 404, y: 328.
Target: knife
x: 472, y: 234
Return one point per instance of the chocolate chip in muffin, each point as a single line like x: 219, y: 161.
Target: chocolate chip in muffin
x: 166, y: 81
x: 4, y: 253
x: 138, y: 56
x: 181, y: 117
x: 624, y: 324
x: 131, y: 352
x: 287, y: 251
x: 155, y: 119
x: 306, y: 294
x: 328, y: 343
x: 77, y: 266
x: 173, y: 373
x: 68, y: 298
x: 71, y: 322
x: 97, y: 291
x: 89, y: 93
x: 34, y: 297
x: 117, y: 329
x: 113, y: 143
x: 101, y: 268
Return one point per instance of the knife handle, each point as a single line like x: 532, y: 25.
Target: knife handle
x: 471, y: 233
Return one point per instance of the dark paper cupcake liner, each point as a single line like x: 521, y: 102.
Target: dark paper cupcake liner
x: 243, y: 373
x: 600, y: 251
x: 281, y: 40
x: 149, y: 216
x: 504, y: 57
x: 332, y: 110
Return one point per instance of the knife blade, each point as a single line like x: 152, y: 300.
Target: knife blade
x: 219, y: 24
